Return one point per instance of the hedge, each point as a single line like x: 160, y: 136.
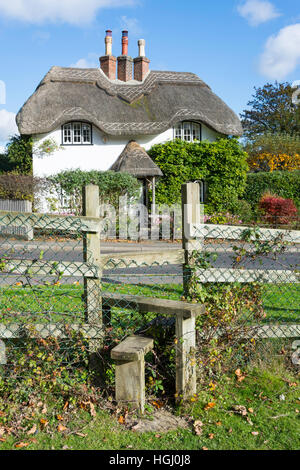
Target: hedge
x: 222, y: 164
x: 285, y: 184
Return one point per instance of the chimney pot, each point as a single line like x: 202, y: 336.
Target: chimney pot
x: 124, y: 42
x: 124, y: 61
x: 141, y: 44
x: 108, y: 62
x: 141, y: 63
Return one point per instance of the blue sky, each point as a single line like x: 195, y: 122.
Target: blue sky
x: 233, y: 45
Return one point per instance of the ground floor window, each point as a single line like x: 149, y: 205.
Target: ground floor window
x: 77, y: 133
x: 188, y: 131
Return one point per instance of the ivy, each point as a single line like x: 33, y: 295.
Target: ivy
x: 222, y: 164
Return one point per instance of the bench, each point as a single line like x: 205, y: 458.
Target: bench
x: 185, y: 331
x: 130, y: 370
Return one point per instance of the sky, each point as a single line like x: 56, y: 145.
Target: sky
x: 233, y: 45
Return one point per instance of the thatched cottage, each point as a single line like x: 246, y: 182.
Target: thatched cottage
x: 94, y: 113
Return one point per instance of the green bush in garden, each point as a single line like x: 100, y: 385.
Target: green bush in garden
x: 285, y: 184
x: 222, y: 164
x: 112, y: 185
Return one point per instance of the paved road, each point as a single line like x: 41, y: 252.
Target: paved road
x: 72, y: 251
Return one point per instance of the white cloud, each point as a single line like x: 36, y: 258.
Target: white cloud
x: 91, y: 62
x: 68, y: 11
x: 282, y: 53
x: 131, y: 24
x: 2, y: 149
x: 8, y: 126
x: 258, y: 11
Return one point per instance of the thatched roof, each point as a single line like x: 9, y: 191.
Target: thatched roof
x: 119, y: 108
x: 136, y: 161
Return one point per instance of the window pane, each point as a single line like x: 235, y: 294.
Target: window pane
x: 196, y: 132
x: 187, y: 131
x: 67, y: 134
x: 178, y: 132
x: 76, y: 133
x: 86, y: 134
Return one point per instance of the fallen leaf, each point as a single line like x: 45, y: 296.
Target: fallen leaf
x: 44, y: 410
x: 59, y: 418
x: 239, y: 375
x: 92, y: 409
x: 121, y: 419
x: 158, y: 436
x: 20, y: 445
x: 80, y: 434
x: 66, y: 405
x: 251, y: 410
x: 198, y: 427
x: 211, y: 436
x: 32, y: 430
x: 158, y: 404
x: 240, y: 409
x: 292, y: 384
x: 204, y: 448
x: 218, y: 423
x: 2, y: 432
x: 255, y: 433
x: 2, y: 439
x: 61, y: 428
x: 210, y: 405
x: 44, y: 423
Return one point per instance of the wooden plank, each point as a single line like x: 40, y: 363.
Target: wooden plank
x: 66, y: 223
x: 144, y: 258
x: 154, y: 305
x: 224, y: 275
x: 49, y: 268
x: 45, y: 330
x: 132, y: 348
x: 229, y: 232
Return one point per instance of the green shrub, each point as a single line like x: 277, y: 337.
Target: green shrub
x: 285, y: 184
x: 222, y: 164
x: 19, y: 154
x: 112, y: 185
x: 244, y: 211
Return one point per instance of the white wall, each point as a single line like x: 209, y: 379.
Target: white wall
x: 99, y: 156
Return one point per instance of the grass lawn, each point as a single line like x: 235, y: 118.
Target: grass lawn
x: 270, y: 422
x: 269, y: 393
x: 281, y: 302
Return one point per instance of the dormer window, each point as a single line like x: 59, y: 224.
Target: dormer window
x: 188, y: 131
x: 77, y: 133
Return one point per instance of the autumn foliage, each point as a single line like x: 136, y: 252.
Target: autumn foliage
x: 277, y: 210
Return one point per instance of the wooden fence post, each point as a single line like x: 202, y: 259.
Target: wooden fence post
x: 185, y: 327
x: 186, y: 380
x: 92, y: 286
x: 191, y: 214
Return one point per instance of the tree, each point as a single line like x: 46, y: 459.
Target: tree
x: 271, y: 111
x: 19, y: 154
x: 270, y: 152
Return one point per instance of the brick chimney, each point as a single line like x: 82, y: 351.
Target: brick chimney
x: 124, y: 61
x: 141, y: 63
x: 108, y: 62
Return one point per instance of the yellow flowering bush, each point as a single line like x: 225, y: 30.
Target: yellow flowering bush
x: 273, y: 162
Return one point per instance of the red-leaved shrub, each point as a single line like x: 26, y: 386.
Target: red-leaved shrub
x: 277, y: 210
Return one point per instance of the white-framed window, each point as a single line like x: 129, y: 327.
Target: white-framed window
x: 188, y: 131
x: 77, y: 133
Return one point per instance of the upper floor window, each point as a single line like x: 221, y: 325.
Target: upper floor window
x: 77, y: 133
x: 188, y: 131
